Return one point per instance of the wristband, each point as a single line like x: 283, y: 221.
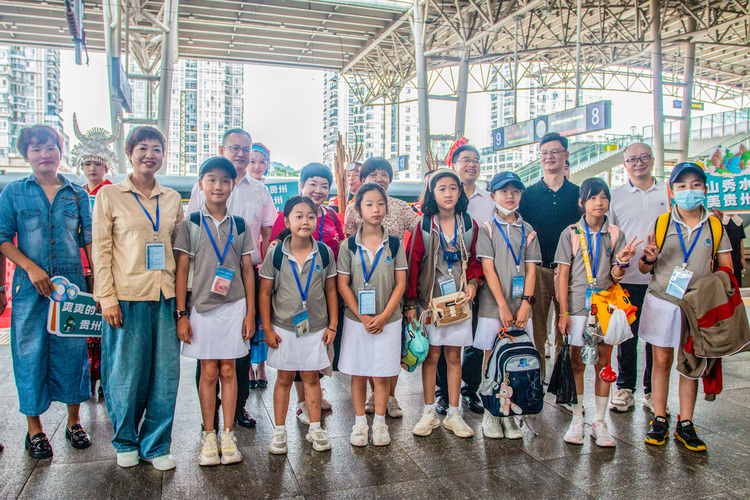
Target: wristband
x: 646, y: 261
x: 564, y: 314
x: 332, y: 329
x: 622, y: 263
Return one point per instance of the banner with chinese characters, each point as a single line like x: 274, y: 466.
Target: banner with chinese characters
x: 281, y: 191
x: 728, y: 181
x: 72, y: 313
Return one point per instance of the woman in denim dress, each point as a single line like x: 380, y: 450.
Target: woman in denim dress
x: 51, y: 219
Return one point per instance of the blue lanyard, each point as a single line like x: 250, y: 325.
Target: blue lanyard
x: 309, y: 276
x: 595, y: 262
x: 455, y: 238
x: 686, y: 252
x: 229, y: 239
x: 154, y: 225
x: 374, y: 264
x: 517, y: 260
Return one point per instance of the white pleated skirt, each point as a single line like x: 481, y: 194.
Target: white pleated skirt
x: 661, y: 322
x: 457, y: 334
x: 305, y: 353
x: 487, y: 329
x: 577, y: 327
x: 367, y: 355
x: 217, y: 333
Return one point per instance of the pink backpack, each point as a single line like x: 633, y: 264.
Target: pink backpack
x: 575, y: 243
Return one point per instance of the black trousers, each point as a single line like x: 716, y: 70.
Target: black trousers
x: 471, y: 366
x: 627, y: 352
x: 242, y: 365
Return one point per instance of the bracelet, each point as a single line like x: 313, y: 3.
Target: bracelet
x: 646, y: 261
x: 564, y: 314
x: 615, y: 278
x: 332, y: 329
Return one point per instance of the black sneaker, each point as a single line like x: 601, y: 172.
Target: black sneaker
x: 685, y: 433
x: 658, y: 433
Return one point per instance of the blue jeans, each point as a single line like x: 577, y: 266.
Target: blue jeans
x: 140, y: 373
x: 47, y: 367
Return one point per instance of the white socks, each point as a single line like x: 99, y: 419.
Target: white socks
x: 452, y: 410
x: 281, y: 428
x: 314, y: 425
x: 429, y: 407
x: 360, y: 418
x: 379, y: 417
x: 601, y: 408
x: 578, y: 407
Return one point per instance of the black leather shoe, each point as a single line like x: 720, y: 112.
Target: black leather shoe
x: 38, y: 446
x: 78, y: 437
x: 243, y: 418
x: 441, y: 405
x: 473, y: 403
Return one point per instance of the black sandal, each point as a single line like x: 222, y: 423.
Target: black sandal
x: 262, y: 384
x: 38, y: 446
x: 78, y: 437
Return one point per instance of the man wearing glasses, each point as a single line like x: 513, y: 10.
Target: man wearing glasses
x: 250, y: 200
x: 550, y: 206
x: 634, y: 206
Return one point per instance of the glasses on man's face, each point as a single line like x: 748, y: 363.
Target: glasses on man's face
x: 237, y: 149
x: 554, y: 152
x: 467, y: 160
x: 634, y: 160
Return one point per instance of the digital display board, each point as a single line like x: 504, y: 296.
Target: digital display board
x: 580, y: 120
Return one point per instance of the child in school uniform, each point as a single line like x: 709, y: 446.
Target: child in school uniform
x: 221, y: 321
x: 601, y: 257
x: 509, y: 251
x: 299, y: 313
x: 371, y: 281
x: 685, y: 257
x: 441, y: 244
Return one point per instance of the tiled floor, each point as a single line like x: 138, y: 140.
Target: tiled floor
x: 439, y: 466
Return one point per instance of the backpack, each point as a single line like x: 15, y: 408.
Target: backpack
x: 661, y: 227
x: 194, y: 230
x: 512, y: 382
x: 426, y: 227
x: 393, y: 244
x: 278, y: 255
x: 575, y: 243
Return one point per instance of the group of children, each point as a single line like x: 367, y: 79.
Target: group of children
x: 383, y: 285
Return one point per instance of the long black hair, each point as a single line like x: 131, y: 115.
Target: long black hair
x: 429, y: 205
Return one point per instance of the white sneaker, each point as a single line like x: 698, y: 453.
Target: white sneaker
x: 491, y: 427
x: 278, y: 443
x: 302, y: 414
x: 648, y: 403
x: 370, y: 404
x: 622, y: 400
x: 510, y: 428
x: 428, y: 422
x: 128, y: 459
x: 394, y: 409
x: 457, y: 425
x: 603, y: 438
x: 164, y: 463
x: 380, y: 436
x: 358, y: 436
x: 210, y: 450
x: 324, y: 404
x: 575, y: 432
x: 229, y: 452
x: 319, y: 439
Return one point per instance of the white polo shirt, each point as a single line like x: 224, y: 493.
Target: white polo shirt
x: 633, y: 210
x: 481, y: 205
x: 251, y: 201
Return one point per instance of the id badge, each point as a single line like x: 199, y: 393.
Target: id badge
x: 589, y: 293
x: 447, y: 284
x: 222, y: 280
x: 518, y: 285
x: 366, y: 298
x: 155, y: 257
x: 679, y: 281
x: 301, y: 324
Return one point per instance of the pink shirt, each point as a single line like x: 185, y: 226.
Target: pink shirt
x: 327, y: 230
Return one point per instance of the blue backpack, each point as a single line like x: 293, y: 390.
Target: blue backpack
x: 512, y: 382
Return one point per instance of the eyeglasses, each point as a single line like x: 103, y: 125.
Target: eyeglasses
x: 634, y: 160
x: 475, y: 161
x: 237, y: 149
x: 554, y: 152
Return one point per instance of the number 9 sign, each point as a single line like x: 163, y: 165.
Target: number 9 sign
x: 497, y: 138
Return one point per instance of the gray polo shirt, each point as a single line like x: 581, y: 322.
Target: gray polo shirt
x: 383, y: 278
x: 672, y: 256
x: 206, y: 261
x: 491, y: 245
x: 286, y: 300
x: 578, y: 282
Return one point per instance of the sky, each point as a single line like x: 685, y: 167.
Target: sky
x: 284, y: 108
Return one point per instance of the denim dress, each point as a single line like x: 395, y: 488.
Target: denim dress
x: 47, y: 367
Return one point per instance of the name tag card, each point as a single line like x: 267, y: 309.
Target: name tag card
x: 155, y: 257
x: 301, y: 323
x: 222, y: 280
x: 589, y: 293
x: 366, y: 299
x: 518, y: 285
x: 679, y: 281
x: 447, y: 284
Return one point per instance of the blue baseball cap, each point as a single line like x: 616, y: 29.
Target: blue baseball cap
x: 684, y: 167
x: 504, y: 178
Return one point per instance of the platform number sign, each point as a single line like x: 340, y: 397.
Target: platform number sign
x: 498, y: 136
x: 597, y: 116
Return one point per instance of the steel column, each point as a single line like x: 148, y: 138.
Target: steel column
x: 578, y: 55
x: 656, y: 68
x: 112, y: 48
x: 687, y: 91
x: 461, y: 92
x: 168, y: 57
x: 418, y: 29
